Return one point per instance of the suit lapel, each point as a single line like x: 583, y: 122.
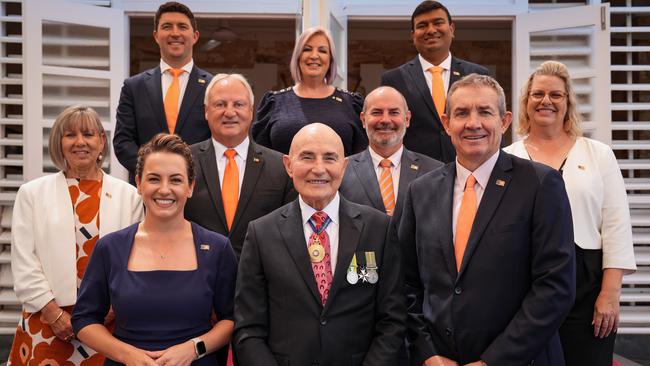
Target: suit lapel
x: 254, y: 165
x: 208, y: 162
x: 415, y: 71
x: 457, y: 71
x: 154, y: 91
x: 497, y: 185
x: 445, y: 201
x: 195, y: 84
x: 349, y: 232
x: 364, y: 169
x: 294, y: 239
x: 409, y: 170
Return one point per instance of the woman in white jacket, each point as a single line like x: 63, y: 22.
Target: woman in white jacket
x: 56, y: 221
x: 548, y: 120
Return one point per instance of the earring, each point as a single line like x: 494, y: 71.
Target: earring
x: 100, y: 157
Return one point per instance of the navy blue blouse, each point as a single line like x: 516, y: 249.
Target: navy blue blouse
x: 281, y: 114
x: 157, y: 309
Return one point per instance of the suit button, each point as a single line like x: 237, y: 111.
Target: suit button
x: 323, y: 321
x: 458, y: 290
x: 448, y: 332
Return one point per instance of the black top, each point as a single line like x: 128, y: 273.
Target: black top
x: 282, y: 114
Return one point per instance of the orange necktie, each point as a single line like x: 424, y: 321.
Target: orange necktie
x: 465, y: 219
x: 438, y: 89
x: 386, y: 186
x: 230, y: 187
x: 171, y: 100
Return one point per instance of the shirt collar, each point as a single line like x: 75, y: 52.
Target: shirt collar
x: 241, y: 149
x: 482, y: 173
x: 426, y: 65
x: 187, y: 68
x: 396, y: 158
x: 332, y: 209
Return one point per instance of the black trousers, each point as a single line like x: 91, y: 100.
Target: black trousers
x: 577, y: 333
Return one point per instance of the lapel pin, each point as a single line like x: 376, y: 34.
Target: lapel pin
x: 108, y: 195
x: 201, y: 81
x: 256, y: 159
x: 205, y: 247
x: 337, y: 99
x: 501, y: 183
x: 414, y: 167
x: 582, y: 167
x: 456, y: 73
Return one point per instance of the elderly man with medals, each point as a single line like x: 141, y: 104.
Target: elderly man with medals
x: 319, y: 279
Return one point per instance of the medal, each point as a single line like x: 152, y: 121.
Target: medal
x: 352, y: 275
x: 371, y: 267
x: 316, y: 250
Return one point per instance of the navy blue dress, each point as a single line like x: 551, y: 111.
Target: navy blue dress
x: 155, y: 310
x: 282, y: 114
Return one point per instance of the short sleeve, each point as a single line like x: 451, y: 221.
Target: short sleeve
x: 93, y: 301
x: 360, y: 138
x: 261, y: 129
x: 224, y: 291
x: 357, y: 102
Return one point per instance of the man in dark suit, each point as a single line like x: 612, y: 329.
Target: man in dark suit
x: 385, y: 117
x: 319, y: 279
x: 432, y: 31
x: 167, y: 98
x: 488, y: 246
x: 262, y: 185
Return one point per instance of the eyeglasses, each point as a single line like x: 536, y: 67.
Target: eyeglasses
x: 554, y: 96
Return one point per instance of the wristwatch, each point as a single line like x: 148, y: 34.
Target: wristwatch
x: 199, y: 347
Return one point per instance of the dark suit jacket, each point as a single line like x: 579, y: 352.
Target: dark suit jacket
x: 265, y: 187
x: 517, y: 279
x: 360, y: 183
x: 279, y: 316
x: 426, y: 134
x: 141, y: 114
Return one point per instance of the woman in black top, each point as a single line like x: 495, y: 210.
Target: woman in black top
x: 312, y: 99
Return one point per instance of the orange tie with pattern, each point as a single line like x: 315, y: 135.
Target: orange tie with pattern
x: 171, y: 100
x: 230, y: 187
x: 438, y: 89
x: 386, y: 186
x: 465, y: 219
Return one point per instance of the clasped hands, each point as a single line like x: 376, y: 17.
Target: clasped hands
x: 444, y: 361
x: 179, y: 355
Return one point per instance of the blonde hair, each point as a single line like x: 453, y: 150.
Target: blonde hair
x: 294, y: 64
x: 571, y: 118
x: 76, y: 116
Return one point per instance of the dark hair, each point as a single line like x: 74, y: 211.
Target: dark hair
x: 167, y: 143
x: 174, y: 7
x: 427, y: 6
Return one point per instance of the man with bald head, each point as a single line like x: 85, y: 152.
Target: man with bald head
x: 319, y: 279
x: 379, y: 176
x: 236, y: 180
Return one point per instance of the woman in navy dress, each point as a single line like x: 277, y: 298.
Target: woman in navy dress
x: 164, y: 277
x: 312, y: 99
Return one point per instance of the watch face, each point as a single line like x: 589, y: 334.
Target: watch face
x: 200, y: 347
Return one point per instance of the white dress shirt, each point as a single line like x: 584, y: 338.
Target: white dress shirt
x: 240, y: 159
x: 482, y: 176
x: 599, y: 207
x: 332, y: 210
x: 166, y: 79
x: 445, y: 64
x: 396, y: 159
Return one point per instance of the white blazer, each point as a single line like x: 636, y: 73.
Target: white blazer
x: 43, y: 252
x: 599, y: 208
